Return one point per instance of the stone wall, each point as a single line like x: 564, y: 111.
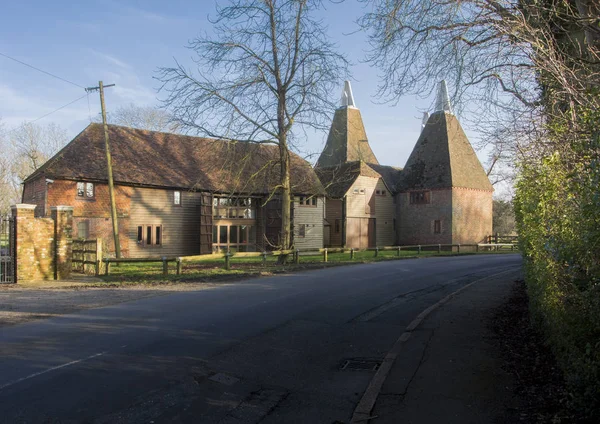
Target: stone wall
x: 43, y: 246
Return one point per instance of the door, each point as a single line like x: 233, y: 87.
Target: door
x: 372, y: 233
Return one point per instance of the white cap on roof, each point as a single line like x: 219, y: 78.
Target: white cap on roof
x: 347, y: 97
x: 442, y: 103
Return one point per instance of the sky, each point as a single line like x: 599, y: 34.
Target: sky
x: 125, y: 42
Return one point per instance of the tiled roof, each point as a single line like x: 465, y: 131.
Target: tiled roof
x: 347, y: 140
x: 337, y: 180
x: 156, y: 159
x: 443, y: 158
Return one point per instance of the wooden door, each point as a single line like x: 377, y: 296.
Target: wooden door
x: 372, y: 233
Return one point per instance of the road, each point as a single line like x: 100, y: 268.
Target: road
x: 267, y: 350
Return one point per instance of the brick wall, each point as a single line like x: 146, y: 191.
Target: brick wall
x: 43, y: 246
x: 416, y: 221
x: 34, y: 193
x: 472, y: 215
x: 95, y: 212
x: 63, y: 192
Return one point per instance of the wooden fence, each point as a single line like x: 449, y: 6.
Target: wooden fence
x: 298, y: 253
x: 499, y: 239
x: 87, y: 256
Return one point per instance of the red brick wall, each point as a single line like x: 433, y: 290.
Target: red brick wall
x: 96, y: 211
x: 63, y: 192
x: 472, y: 215
x: 415, y: 224
x: 34, y: 193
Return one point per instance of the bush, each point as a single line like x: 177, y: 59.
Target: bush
x: 557, y: 208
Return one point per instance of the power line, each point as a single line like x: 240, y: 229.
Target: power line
x: 48, y: 114
x: 40, y: 70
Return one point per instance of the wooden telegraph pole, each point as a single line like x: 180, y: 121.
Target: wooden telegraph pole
x: 111, y: 186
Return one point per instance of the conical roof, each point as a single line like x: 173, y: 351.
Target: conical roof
x: 443, y: 158
x: 347, y: 140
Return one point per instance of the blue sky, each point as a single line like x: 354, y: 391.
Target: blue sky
x: 124, y: 42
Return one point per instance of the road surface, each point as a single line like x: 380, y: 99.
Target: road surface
x: 297, y: 348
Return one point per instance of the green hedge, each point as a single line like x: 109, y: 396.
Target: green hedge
x: 557, y: 208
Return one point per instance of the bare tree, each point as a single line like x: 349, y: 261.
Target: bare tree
x: 513, y: 62
x: 269, y: 70
x: 143, y: 117
x: 25, y: 149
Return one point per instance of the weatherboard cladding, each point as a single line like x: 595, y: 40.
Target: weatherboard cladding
x: 155, y: 159
x: 338, y: 179
x: 443, y: 158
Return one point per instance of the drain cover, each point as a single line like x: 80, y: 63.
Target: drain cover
x: 360, y: 364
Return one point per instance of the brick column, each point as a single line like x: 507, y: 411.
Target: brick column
x: 63, y: 240
x: 33, y: 245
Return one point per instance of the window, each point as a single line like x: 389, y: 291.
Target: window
x: 307, y: 201
x: 380, y: 192
x: 302, y: 230
x: 361, y: 191
x: 437, y: 226
x: 234, y: 208
x: 419, y: 197
x: 337, y: 226
x: 177, y: 198
x: 237, y: 238
x: 85, y: 190
x: 158, y: 235
x: 148, y: 235
x: 83, y: 229
x: 355, y: 191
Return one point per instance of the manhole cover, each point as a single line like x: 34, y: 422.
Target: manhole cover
x: 360, y: 364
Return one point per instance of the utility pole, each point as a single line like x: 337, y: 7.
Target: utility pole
x: 111, y: 186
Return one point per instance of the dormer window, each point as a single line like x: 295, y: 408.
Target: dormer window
x: 177, y: 198
x: 85, y: 190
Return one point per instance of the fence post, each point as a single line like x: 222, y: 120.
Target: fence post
x: 98, y: 255
x: 264, y: 258
x: 376, y: 251
x: 352, y: 253
x: 477, y: 248
x: 325, y: 255
x: 419, y: 249
x: 165, y: 266
x: 106, y: 266
x: 179, y: 266
x: 399, y: 251
x: 439, y: 248
x: 458, y: 248
x: 227, y: 261
x: 297, y: 256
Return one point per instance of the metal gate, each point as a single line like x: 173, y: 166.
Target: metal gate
x: 6, y: 250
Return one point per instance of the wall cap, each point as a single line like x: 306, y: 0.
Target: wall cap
x: 61, y: 208
x: 25, y: 206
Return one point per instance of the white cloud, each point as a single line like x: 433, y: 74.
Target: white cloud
x: 111, y: 59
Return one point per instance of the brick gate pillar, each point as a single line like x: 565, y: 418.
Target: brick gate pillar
x: 63, y: 240
x: 32, y: 245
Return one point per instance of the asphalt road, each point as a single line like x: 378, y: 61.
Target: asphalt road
x: 267, y: 350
